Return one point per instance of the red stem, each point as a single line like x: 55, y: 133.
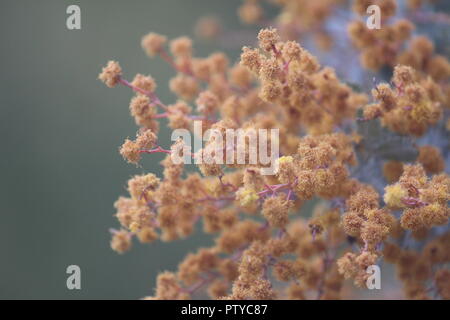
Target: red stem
x: 153, y: 97
x: 156, y: 150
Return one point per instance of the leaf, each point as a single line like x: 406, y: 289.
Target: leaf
x: 385, y: 144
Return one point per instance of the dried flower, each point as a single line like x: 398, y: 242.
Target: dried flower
x: 266, y: 244
x: 110, y: 74
x: 153, y: 43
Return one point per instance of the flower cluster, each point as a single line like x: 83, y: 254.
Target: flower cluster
x: 410, y: 107
x: 415, y: 268
x: 423, y: 201
x: 370, y: 225
x: 381, y: 46
x: 391, y: 44
x: 309, y: 96
x: 266, y: 244
x: 296, y: 19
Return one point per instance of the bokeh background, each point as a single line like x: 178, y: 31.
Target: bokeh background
x: 61, y: 128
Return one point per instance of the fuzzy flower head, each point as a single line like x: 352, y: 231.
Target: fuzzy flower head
x: 153, y: 43
x: 130, y: 151
x: 146, y: 83
x: 246, y: 197
x: 268, y: 38
x: 111, y: 74
x: 121, y: 241
x: 394, y: 195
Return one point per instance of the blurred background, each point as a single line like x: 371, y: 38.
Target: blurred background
x: 61, y: 129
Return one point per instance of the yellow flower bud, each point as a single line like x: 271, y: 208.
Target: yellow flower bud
x: 393, y: 196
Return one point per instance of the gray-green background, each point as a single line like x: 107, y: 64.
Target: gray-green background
x: 60, y: 130
x: 60, y: 171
